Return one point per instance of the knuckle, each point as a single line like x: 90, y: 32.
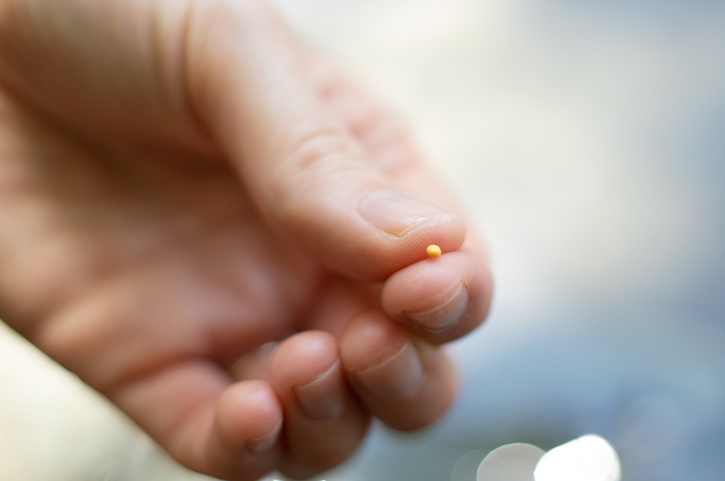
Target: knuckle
x: 313, y: 145
x: 317, y: 158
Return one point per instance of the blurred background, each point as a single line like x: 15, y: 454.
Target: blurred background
x: 587, y: 140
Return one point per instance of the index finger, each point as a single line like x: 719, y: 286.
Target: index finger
x: 442, y: 298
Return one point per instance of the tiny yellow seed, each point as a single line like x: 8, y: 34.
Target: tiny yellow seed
x: 433, y: 250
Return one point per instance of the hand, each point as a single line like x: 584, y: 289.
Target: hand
x: 182, y: 182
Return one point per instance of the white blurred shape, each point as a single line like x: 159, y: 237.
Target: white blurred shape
x: 512, y: 462
x: 466, y: 467
x: 588, y: 458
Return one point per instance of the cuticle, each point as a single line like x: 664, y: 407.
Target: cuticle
x: 321, y: 376
x: 407, y: 315
x: 407, y: 342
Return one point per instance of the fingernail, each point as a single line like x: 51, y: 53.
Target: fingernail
x: 324, y: 398
x: 398, y: 377
x: 264, y: 443
x: 396, y: 214
x: 444, y: 315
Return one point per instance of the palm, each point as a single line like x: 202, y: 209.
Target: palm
x: 170, y: 255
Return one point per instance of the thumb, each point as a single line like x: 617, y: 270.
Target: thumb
x: 304, y: 171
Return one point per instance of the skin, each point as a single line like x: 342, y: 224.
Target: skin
x: 181, y: 184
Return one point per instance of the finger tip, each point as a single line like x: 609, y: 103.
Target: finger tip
x: 303, y: 358
x: 369, y: 340
x: 435, y: 397
x: 371, y: 247
x: 442, y: 298
x: 246, y: 411
x: 391, y: 254
x: 408, y: 389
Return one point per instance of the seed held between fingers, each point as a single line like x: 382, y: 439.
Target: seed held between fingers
x: 433, y: 251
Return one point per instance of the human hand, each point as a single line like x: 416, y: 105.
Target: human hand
x: 181, y: 182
